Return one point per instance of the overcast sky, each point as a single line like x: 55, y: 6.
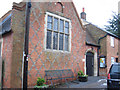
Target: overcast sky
x: 98, y: 11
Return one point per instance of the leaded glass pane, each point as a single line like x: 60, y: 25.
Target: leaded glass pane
x: 66, y: 24
x: 61, y: 26
x: 55, y: 40
x: 66, y: 42
x: 49, y: 22
x: 49, y: 26
x: 49, y: 34
x: 61, y: 41
x: 55, y: 24
x: 67, y: 27
x: 49, y: 19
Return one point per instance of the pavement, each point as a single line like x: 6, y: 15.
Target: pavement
x: 93, y: 82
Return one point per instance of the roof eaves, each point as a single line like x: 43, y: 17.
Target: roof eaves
x: 5, y: 25
x: 91, y: 44
x: 3, y: 21
x: 8, y: 31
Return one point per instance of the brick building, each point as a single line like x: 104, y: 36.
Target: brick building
x: 53, y: 48
x: 12, y: 28
x: 108, y: 51
x: 57, y: 41
x: 119, y: 13
x: 91, y: 59
x: 5, y: 46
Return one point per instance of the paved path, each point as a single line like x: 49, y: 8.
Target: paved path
x: 93, y: 82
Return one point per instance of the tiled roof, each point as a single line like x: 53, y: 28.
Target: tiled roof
x: 84, y: 22
x: 89, y: 39
x: 5, y: 25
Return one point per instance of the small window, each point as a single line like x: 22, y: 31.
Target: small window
x: 112, y: 41
x: 58, y: 33
x: 112, y: 60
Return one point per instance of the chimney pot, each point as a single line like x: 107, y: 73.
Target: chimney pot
x: 83, y: 9
x: 83, y: 14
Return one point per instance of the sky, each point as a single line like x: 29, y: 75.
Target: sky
x: 98, y: 12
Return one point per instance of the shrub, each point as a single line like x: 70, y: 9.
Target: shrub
x: 81, y: 74
x: 40, y: 81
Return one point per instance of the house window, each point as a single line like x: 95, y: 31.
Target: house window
x: 112, y: 41
x: 112, y: 60
x: 58, y: 32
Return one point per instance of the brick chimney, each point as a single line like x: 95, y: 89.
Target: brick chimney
x: 83, y: 14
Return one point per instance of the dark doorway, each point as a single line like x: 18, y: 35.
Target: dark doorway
x: 90, y: 64
x: 117, y: 60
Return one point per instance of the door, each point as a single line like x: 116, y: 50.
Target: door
x: 117, y: 60
x: 90, y: 64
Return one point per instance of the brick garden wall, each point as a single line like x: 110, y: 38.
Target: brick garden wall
x: 40, y: 59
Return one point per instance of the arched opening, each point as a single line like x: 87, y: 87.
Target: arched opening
x: 90, y: 64
x: 59, y: 7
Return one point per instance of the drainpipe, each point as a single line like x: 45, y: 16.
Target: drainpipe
x: 99, y: 52
x: 26, y: 43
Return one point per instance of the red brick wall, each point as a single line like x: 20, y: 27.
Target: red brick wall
x: 111, y: 51
x: 40, y: 59
x: 7, y: 56
x: 18, y: 28
x: 103, y: 52
x: 103, y: 71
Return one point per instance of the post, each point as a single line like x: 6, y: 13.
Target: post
x: 26, y: 43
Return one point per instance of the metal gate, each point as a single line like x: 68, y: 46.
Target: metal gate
x: 90, y: 64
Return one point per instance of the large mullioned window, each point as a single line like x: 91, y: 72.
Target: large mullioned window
x: 58, y: 33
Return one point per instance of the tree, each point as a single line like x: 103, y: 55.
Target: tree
x: 114, y: 25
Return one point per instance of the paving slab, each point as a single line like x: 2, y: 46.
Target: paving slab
x: 93, y: 82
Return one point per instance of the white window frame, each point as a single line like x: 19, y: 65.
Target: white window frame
x: 112, y: 41
x: 59, y: 17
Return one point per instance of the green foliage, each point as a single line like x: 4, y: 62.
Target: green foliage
x: 114, y: 25
x: 40, y: 81
x: 81, y: 74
